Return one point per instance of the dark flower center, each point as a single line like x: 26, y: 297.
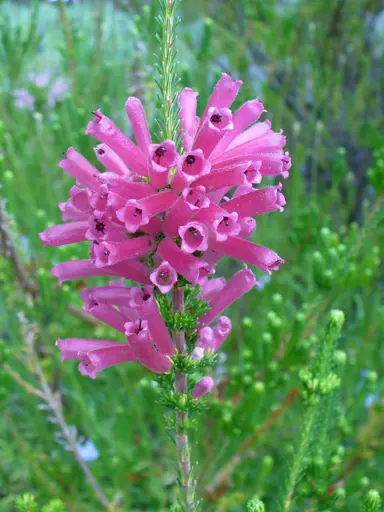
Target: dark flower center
x: 137, y: 212
x: 190, y: 159
x: 160, y: 151
x: 164, y: 275
x: 216, y: 118
x: 106, y: 253
x: 99, y: 225
x: 193, y: 231
x: 226, y: 221
x: 139, y: 328
x: 101, y: 151
x: 146, y: 296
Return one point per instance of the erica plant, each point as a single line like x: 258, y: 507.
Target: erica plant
x: 162, y: 214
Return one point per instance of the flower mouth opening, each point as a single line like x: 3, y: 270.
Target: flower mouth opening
x: 99, y: 225
x: 164, y: 276
x: 101, y: 151
x: 190, y: 160
x: 137, y: 212
x: 216, y: 118
x: 160, y: 152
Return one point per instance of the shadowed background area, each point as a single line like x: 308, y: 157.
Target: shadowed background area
x: 318, y: 69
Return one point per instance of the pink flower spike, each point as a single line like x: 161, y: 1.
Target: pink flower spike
x: 136, y: 114
x: 188, y: 101
x: 133, y: 215
x: 110, y: 253
x: 250, y: 253
x: 164, y: 277
x: 79, y: 269
x: 64, y: 234
x: 106, y: 313
x: 97, y: 360
x: 194, y: 237
x: 223, y: 94
x: 212, y: 287
x: 77, y: 166
x: 162, y: 157
x: 257, y: 202
x: 103, y: 129
x: 111, y: 160
x: 247, y: 114
x: 217, y: 124
x: 194, y: 269
x: 157, y: 328
x: 139, y: 339
x: 190, y: 167
x: 241, y: 283
x: 203, y: 387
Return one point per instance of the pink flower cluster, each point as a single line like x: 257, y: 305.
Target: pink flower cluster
x: 157, y: 213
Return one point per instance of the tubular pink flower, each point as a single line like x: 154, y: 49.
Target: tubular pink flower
x: 257, y: 202
x: 189, y: 121
x: 190, y: 167
x: 64, y: 234
x: 221, y: 331
x: 139, y: 296
x: 101, y: 227
x: 157, y: 328
x: 203, y: 387
x: 194, y: 237
x: 103, y: 129
x: 164, y: 277
x: 79, y: 269
x: 194, y: 269
x: 136, y: 114
x: 240, y: 284
x: 99, y: 201
x: 106, y: 314
x: 110, y: 253
x: 223, y: 94
x: 158, y: 203
x: 133, y: 215
x: 115, y: 295
x: 139, y: 339
x: 73, y: 348
x: 248, y: 226
x: 226, y: 178
x: 250, y: 253
x: 247, y: 114
x: 162, y: 157
x: 77, y: 207
x: 97, y: 360
x: 111, y: 160
x: 216, y: 125
x: 212, y: 287
x: 190, y: 201
x: 221, y: 222
x: 124, y: 187
x: 77, y: 166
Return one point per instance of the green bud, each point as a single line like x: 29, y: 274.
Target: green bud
x: 247, y: 380
x: 368, y: 273
x: 235, y: 371
x: 42, y: 273
x: 277, y: 299
x: 144, y: 383
x: 247, y: 322
x: 259, y: 387
x: 255, y: 505
x: 55, y: 505
x: 300, y: 317
x: 8, y: 176
x: 40, y: 213
x: 372, y: 377
x: 273, y: 366
x: 340, y: 357
x: 364, y: 481
x: 267, y: 462
x: 325, y: 233
x: 341, y: 248
x: 248, y: 367
x: 26, y: 503
x: 267, y: 338
x: 340, y: 493
x: 372, y: 501
x: 247, y: 354
x: 336, y: 320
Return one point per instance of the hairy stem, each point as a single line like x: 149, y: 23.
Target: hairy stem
x: 183, y: 452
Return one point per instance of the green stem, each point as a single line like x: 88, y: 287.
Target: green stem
x: 182, y: 443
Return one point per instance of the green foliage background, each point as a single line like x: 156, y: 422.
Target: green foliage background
x: 318, y: 68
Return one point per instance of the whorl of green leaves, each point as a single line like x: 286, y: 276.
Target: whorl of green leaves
x: 255, y: 506
x: 167, y: 117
